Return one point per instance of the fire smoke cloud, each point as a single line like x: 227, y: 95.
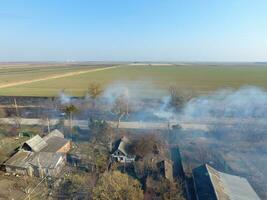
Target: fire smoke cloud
x: 246, y: 102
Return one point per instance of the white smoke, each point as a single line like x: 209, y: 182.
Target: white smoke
x: 64, y: 98
x: 246, y: 102
x: 164, y: 111
x: 113, y: 92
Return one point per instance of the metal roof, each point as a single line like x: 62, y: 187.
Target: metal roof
x: 123, y: 145
x: 54, y: 133
x: 212, y: 184
x: 20, y: 159
x: 54, y: 143
x: 46, y: 159
x: 36, y: 143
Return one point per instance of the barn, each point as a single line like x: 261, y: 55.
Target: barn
x: 40, y: 156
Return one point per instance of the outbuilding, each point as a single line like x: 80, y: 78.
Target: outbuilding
x: 211, y: 184
x: 40, y: 156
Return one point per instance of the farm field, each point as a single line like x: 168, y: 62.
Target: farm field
x: 19, y: 72
x: 198, y: 78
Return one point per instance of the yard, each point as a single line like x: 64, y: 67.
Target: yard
x: 18, y: 187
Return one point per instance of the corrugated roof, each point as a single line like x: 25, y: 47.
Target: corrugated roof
x: 46, y: 159
x: 36, y: 143
x: 20, y: 159
x: 54, y: 144
x: 231, y: 187
x: 212, y: 184
x: 54, y: 133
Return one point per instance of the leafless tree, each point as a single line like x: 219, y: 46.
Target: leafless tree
x: 120, y: 108
x: 94, y: 91
x: 179, y: 97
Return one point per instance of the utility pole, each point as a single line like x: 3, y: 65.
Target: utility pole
x: 16, y: 107
x: 48, y: 124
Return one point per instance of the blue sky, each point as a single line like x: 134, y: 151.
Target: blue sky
x: 133, y: 30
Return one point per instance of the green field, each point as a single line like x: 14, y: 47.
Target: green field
x: 148, y: 80
x: 15, y: 73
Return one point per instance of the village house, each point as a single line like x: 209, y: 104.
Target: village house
x: 120, y: 151
x: 214, y: 185
x: 40, y: 156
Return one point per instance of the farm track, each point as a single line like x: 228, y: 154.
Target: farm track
x: 69, y: 74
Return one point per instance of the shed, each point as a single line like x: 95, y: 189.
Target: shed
x: 47, y: 163
x: 211, y: 184
x: 166, y: 170
x: 18, y: 163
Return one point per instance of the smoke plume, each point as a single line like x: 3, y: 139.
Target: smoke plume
x: 244, y: 103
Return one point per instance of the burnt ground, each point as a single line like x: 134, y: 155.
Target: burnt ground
x: 52, y: 107
x: 236, y: 152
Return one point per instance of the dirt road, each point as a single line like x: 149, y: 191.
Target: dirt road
x: 202, y: 125
x: 55, y: 77
x: 124, y: 125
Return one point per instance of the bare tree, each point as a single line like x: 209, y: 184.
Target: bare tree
x: 120, y: 108
x: 179, y: 97
x: 94, y: 91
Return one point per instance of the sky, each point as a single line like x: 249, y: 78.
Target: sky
x: 133, y: 30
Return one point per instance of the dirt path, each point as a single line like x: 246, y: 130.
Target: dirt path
x: 83, y: 124
x: 55, y: 77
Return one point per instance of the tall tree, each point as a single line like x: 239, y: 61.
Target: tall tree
x: 70, y: 110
